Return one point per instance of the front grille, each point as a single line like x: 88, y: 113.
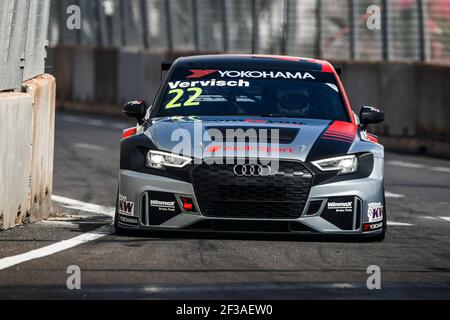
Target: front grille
x: 220, y: 193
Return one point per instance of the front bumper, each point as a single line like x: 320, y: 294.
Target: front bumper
x: 137, y: 188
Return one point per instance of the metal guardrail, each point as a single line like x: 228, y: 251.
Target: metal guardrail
x: 23, y: 39
x: 408, y: 29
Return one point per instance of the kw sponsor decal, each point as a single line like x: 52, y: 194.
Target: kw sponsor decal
x: 165, y: 206
x: 375, y: 212
x: 125, y: 207
x: 196, y: 74
x: 341, y: 206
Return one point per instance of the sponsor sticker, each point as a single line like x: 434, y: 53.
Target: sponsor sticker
x: 339, y: 212
x: 163, y: 206
x: 125, y: 207
x: 209, y: 83
x: 373, y: 226
x: 343, y: 207
x: 128, y: 220
x: 196, y: 74
x: 375, y: 212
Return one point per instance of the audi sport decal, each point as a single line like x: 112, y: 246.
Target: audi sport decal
x: 375, y: 212
x: 216, y: 149
x: 125, y: 207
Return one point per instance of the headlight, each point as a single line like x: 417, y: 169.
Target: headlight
x: 160, y: 160
x: 344, y: 165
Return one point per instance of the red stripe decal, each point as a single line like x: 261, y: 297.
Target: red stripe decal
x: 341, y: 131
x: 129, y: 132
x: 342, y: 127
x: 337, y: 139
x: 336, y: 136
x: 326, y: 67
x: 372, y: 138
x: 339, y: 134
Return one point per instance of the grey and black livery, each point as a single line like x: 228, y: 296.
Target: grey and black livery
x: 329, y: 177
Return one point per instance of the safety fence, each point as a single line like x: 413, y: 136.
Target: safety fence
x: 417, y: 30
x: 23, y: 40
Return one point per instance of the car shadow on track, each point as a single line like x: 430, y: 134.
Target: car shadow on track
x: 249, y: 236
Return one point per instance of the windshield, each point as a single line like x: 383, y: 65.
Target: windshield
x: 269, y: 93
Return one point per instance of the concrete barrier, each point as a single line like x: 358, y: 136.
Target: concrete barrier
x: 16, y: 116
x: 26, y: 152
x: 43, y: 90
x: 413, y: 95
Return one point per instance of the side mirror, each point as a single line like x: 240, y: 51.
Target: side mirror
x: 135, y: 109
x: 370, y: 115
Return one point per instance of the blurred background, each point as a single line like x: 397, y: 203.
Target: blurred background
x: 395, y: 54
x: 416, y: 30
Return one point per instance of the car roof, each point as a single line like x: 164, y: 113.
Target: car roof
x: 258, y: 61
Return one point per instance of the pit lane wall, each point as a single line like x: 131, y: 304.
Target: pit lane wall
x: 413, y: 95
x: 26, y: 152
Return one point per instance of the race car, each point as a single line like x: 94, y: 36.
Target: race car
x: 252, y: 143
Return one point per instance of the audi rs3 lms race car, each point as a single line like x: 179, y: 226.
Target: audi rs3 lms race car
x: 252, y: 143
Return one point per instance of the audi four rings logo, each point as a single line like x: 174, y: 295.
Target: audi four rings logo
x: 252, y: 170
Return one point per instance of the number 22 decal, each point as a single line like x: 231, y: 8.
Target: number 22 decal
x: 191, y: 102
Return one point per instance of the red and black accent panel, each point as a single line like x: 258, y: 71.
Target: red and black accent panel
x: 335, y: 140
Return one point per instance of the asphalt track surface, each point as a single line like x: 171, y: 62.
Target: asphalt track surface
x: 414, y: 259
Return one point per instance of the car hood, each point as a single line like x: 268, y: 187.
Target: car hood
x: 191, y: 136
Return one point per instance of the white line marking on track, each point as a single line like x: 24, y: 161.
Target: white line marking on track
x: 405, y: 164
x: 65, y: 244
x: 412, y: 165
x: 94, y: 122
x: 428, y: 218
x: 55, y: 248
x: 394, y: 195
x: 441, y: 169
x: 87, y: 146
x: 399, y: 224
x: 83, y: 206
x: 445, y: 218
